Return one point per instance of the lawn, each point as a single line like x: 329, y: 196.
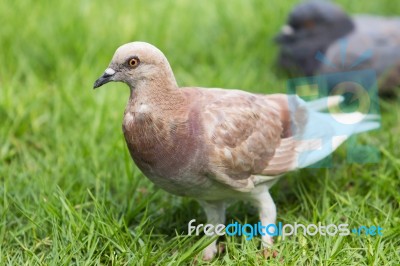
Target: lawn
x: 70, y: 193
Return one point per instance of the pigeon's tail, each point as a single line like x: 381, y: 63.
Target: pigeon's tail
x: 321, y: 133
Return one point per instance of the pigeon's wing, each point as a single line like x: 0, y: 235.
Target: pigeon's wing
x: 242, y: 131
x: 381, y: 36
x: 254, y: 138
x: 384, y: 34
x: 373, y: 44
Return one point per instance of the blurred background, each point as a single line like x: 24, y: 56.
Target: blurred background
x: 69, y: 192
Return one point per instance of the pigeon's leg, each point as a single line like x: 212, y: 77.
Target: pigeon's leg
x: 215, y: 212
x: 267, y: 210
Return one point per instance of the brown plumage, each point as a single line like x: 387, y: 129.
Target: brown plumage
x: 212, y: 144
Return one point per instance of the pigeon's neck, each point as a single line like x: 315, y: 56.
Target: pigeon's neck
x: 160, y: 95
x: 343, y: 28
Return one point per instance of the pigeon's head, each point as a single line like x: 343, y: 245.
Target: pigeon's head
x: 311, y: 28
x: 134, y: 63
x: 316, y: 19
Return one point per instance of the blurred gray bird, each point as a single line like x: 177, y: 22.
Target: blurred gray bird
x: 320, y: 37
x: 219, y: 145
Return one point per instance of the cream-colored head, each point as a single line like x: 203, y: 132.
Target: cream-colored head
x: 136, y: 64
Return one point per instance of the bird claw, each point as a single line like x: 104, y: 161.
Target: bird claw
x: 212, y: 250
x: 269, y: 254
x: 209, y: 252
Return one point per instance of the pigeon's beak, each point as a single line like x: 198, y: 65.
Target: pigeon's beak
x: 107, y: 77
x: 285, y: 33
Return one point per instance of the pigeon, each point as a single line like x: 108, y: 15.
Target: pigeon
x: 220, y: 145
x: 320, y: 38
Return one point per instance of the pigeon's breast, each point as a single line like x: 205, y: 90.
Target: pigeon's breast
x: 167, y: 150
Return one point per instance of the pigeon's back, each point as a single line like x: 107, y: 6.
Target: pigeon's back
x: 373, y: 44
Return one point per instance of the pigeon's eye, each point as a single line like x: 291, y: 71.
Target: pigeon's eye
x: 133, y: 62
x: 309, y: 24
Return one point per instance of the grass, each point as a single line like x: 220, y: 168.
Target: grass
x: 70, y: 194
